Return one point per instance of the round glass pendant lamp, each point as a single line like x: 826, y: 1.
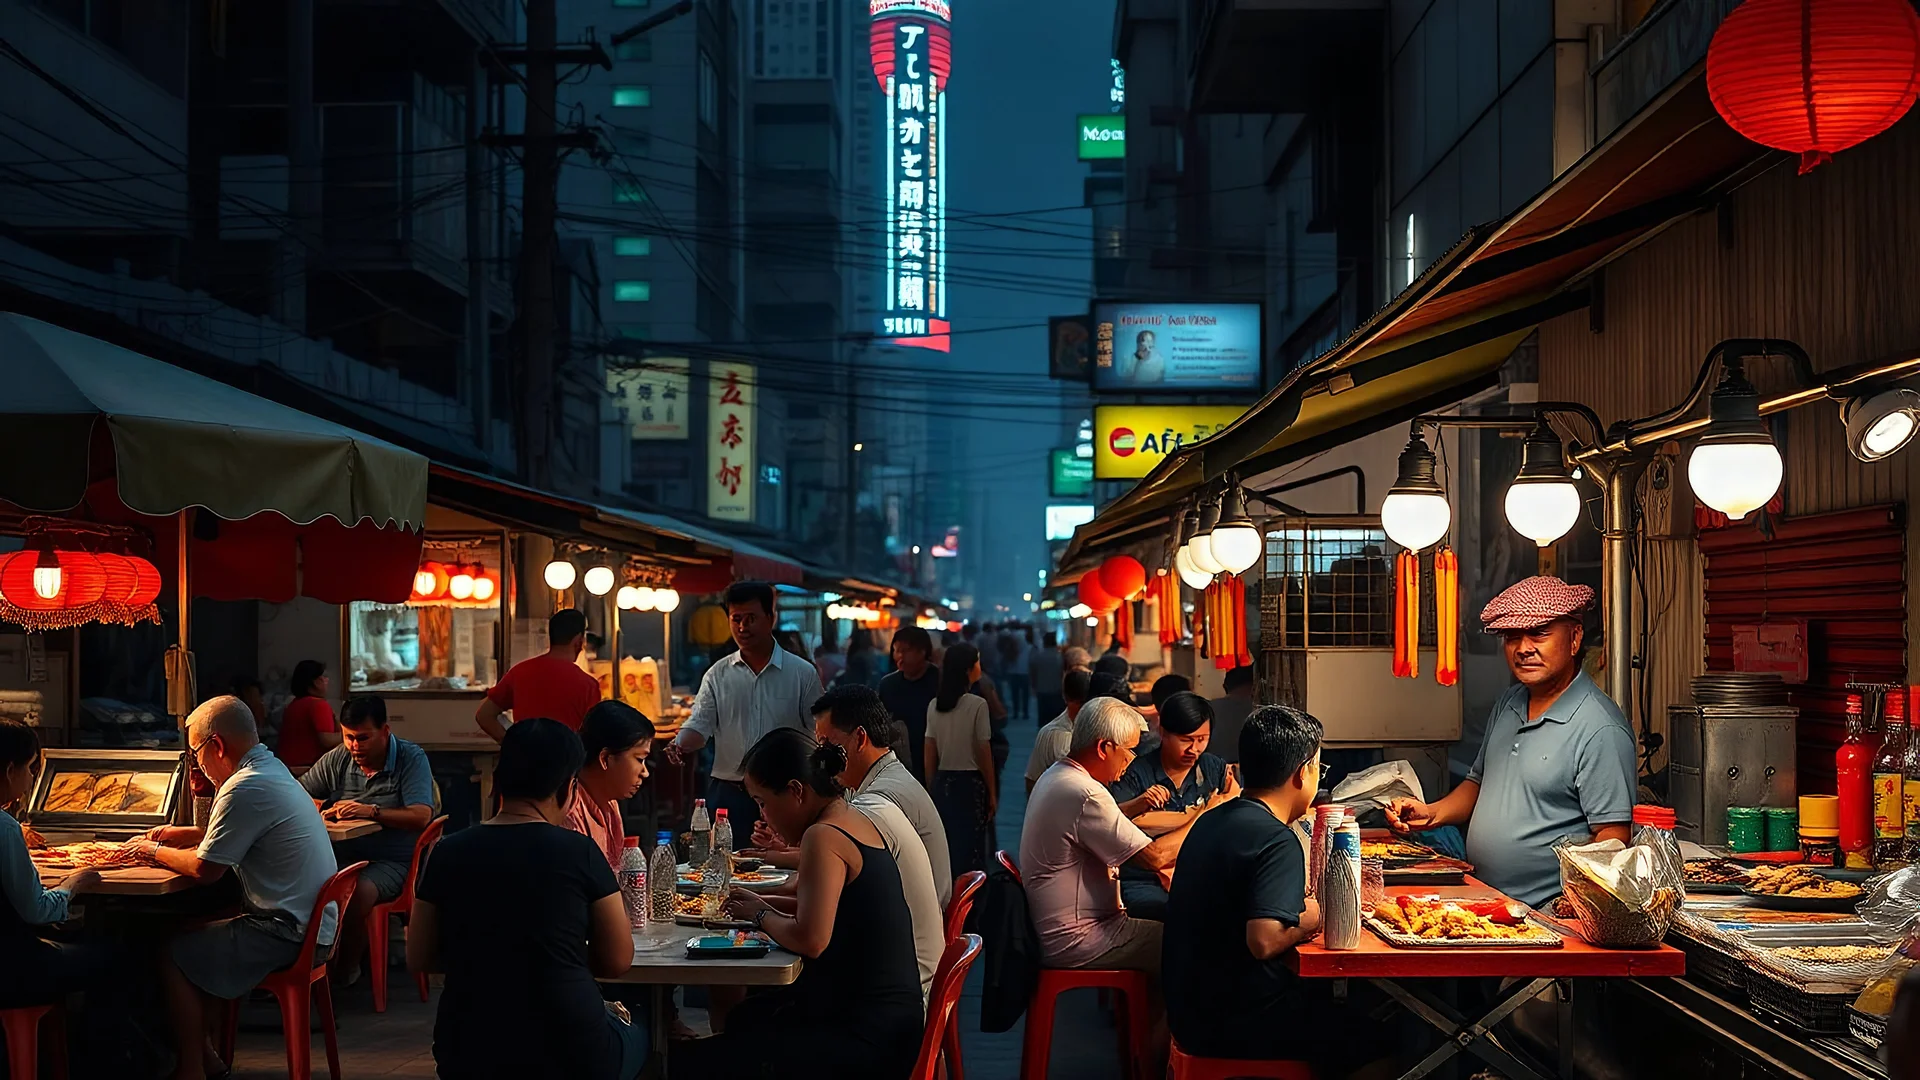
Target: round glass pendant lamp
x: 1735, y: 467
x: 1543, y: 503
x: 1415, y: 513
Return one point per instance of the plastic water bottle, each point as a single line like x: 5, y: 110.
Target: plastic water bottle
x: 633, y: 882
x: 1340, y: 890
x: 662, y: 877
x: 716, y: 878
x: 702, y: 835
x: 722, y: 831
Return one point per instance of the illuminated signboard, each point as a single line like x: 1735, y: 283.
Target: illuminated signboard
x: 1069, y: 475
x: 1129, y: 440
x: 731, y: 397
x: 1103, y: 136
x: 1062, y: 520
x: 911, y: 43
x: 1176, y: 347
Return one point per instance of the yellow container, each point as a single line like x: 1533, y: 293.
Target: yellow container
x: 1820, y: 815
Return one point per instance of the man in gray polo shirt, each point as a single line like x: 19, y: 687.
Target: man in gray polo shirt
x: 1558, y: 757
x: 373, y: 775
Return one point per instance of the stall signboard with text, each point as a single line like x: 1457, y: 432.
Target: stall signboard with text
x: 1129, y: 440
x: 653, y: 395
x: 910, y: 43
x: 1146, y: 348
x: 731, y: 470
x: 1069, y: 475
x: 1103, y: 136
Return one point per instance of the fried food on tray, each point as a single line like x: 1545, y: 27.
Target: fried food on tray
x: 1833, y: 954
x: 738, y: 876
x: 109, y: 791
x: 70, y: 794
x: 1716, y: 872
x: 1393, y: 849
x: 1456, y: 920
x: 1799, y: 883
x: 86, y: 853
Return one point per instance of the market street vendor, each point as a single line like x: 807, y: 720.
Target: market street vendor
x: 1557, y: 759
x: 373, y: 775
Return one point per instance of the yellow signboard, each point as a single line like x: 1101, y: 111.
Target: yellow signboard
x: 1129, y: 440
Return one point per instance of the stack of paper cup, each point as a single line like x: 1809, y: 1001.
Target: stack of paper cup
x: 1340, y: 889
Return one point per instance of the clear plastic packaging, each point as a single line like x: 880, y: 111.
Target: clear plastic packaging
x: 1624, y: 896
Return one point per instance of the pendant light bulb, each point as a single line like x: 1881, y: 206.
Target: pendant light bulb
x: 1735, y: 468
x: 624, y: 598
x: 1415, y: 513
x: 1194, y: 577
x: 598, y: 580
x: 1235, y: 541
x: 645, y: 599
x: 1543, y: 504
x: 484, y: 587
x: 460, y: 585
x: 665, y: 600
x: 559, y: 575
x: 1200, y: 544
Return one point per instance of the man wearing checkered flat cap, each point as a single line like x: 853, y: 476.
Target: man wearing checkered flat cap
x: 1558, y: 757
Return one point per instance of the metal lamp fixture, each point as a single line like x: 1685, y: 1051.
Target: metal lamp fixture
x: 1543, y: 502
x: 1415, y: 513
x: 559, y: 574
x: 1878, y: 425
x: 1235, y: 540
x: 1735, y: 468
x: 1200, y: 543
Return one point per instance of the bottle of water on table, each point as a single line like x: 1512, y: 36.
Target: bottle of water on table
x: 661, y: 878
x: 722, y: 831
x: 702, y: 836
x: 633, y: 882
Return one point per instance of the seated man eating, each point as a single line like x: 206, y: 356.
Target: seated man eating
x: 1167, y: 787
x: 1239, y: 905
x: 373, y: 775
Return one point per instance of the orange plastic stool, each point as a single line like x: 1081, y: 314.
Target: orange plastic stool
x: 1184, y: 1066
x: 22, y: 1030
x: 1132, y: 1020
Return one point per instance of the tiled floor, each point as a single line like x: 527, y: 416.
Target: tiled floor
x: 399, y: 1043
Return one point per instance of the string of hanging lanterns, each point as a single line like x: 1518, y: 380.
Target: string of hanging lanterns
x: 73, y: 573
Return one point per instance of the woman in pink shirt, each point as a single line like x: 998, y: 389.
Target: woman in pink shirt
x: 617, y: 739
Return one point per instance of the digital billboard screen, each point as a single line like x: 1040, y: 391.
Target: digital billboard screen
x: 1148, y: 348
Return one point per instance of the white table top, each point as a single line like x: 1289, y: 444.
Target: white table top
x: 660, y: 958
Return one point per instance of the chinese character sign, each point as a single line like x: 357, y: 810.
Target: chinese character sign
x: 912, y: 54
x: 731, y: 396
x: 653, y: 395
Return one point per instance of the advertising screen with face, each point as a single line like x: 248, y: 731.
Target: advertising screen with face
x: 1176, y: 348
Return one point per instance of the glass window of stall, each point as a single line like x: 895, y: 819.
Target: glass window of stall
x: 446, y: 636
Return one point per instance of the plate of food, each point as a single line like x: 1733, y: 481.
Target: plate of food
x: 692, y: 880
x: 1432, y: 921
x: 738, y: 945
x: 1796, y: 888
x: 1393, y: 852
x: 689, y: 911
x: 1715, y: 876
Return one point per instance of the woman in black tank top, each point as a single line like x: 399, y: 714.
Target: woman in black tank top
x: 855, y: 1009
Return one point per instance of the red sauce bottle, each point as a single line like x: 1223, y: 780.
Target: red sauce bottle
x: 1853, y: 771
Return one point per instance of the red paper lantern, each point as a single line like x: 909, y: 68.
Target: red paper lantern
x: 1095, y: 597
x: 148, y: 588
x: 81, y: 581
x: 1123, y: 576
x: 1815, y: 77
x: 122, y: 578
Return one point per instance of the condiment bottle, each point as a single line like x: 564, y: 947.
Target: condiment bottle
x: 1853, y: 776
x: 1820, y: 830
x: 1889, y: 785
x: 1911, y: 771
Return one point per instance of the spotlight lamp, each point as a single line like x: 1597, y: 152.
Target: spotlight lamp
x: 1880, y: 424
x: 1235, y: 541
x: 1543, y: 503
x: 1415, y: 513
x: 1735, y: 467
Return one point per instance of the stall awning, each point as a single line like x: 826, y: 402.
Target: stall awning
x: 745, y: 560
x: 1446, y: 335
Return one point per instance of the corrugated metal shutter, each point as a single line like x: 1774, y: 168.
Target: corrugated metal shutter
x: 1845, y: 573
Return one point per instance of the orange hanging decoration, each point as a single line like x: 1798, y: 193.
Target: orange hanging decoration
x: 1446, y: 615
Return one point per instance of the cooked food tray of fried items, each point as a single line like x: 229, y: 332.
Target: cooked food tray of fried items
x: 1396, y: 851
x: 84, y: 854
x: 1798, y: 883
x: 1423, y: 921
x: 1834, y: 954
x: 1716, y: 872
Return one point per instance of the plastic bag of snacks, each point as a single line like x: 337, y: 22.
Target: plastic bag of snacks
x: 1623, y: 895
x: 1892, y: 907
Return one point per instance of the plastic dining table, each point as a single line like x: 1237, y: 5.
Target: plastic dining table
x: 1526, y: 972
x: 660, y: 963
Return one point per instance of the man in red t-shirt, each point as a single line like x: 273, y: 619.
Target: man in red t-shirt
x: 550, y: 685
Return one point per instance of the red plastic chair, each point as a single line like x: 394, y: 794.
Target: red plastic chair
x: 379, y: 928
x: 1184, y: 1066
x: 964, y: 888
x: 22, y: 1030
x: 943, y: 1007
x: 1006, y: 861
x: 294, y: 986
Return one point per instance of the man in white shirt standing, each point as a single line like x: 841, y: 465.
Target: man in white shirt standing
x: 742, y: 697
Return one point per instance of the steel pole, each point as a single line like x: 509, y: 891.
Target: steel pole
x: 1617, y: 598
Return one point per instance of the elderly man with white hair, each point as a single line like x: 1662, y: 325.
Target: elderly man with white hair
x: 1074, y: 841
x: 266, y: 830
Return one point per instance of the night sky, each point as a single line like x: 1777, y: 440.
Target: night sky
x: 1021, y: 251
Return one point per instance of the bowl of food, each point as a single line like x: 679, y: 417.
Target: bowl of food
x: 1796, y: 888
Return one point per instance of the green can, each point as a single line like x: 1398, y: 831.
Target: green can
x: 1746, y: 829
x: 1783, y: 828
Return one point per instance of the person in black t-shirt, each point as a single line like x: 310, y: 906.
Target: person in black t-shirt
x: 1238, y: 905
x: 908, y: 691
x: 522, y: 914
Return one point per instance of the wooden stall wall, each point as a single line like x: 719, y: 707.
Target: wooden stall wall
x: 1830, y: 260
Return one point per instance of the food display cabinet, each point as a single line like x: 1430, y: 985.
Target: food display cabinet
x: 106, y: 794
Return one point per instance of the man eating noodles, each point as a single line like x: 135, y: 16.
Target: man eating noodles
x: 1557, y: 759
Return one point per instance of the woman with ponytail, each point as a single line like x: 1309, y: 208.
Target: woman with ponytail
x: 959, y: 759
x: 856, y: 1004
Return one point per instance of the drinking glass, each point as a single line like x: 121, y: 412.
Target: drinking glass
x: 1373, y: 883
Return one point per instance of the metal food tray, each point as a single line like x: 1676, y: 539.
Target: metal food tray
x: 1542, y: 939
x: 1813, y: 1014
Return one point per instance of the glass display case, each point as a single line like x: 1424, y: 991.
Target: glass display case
x: 446, y: 636
x: 109, y: 793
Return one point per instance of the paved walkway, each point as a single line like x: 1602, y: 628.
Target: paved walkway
x: 399, y: 1043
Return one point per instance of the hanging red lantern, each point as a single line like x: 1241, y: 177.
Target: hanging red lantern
x: 1814, y: 77
x: 46, y: 580
x: 1093, y: 595
x: 122, y: 579
x: 149, y: 585
x: 1123, y: 576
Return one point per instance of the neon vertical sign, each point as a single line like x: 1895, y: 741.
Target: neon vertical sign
x: 911, y: 44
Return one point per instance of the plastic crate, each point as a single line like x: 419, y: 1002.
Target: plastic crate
x: 1811, y: 1014
x: 1706, y: 964
x: 1871, y: 1030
